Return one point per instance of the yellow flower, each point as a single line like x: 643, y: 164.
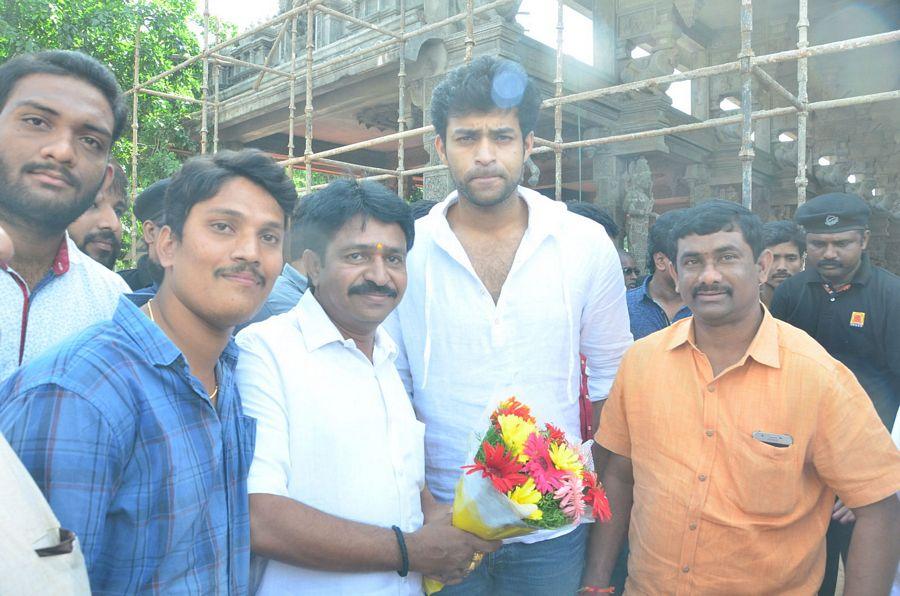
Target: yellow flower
x: 565, y: 458
x: 515, y: 432
x: 525, y: 498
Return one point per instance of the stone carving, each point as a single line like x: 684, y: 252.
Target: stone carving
x: 727, y: 192
x: 384, y: 117
x: 786, y: 154
x: 657, y: 64
x: 688, y: 10
x: 638, y: 182
x: 637, y: 23
x: 696, y: 177
x: 533, y: 173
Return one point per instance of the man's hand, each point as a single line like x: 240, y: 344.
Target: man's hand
x: 6, y: 248
x: 443, y: 552
x: 842, y: 514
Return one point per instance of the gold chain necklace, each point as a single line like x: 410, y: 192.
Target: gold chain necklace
x: 212, y: 396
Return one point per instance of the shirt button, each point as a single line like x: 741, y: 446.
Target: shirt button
x: 693, y: 526
x: 685, y: 569
x: 710, y: 432
x: 702, y: 477
x: 711, y: 388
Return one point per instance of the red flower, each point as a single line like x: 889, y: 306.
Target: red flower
x: 555, y: 435
x: 595, y: 497
x: 513, y: 407
x: 539, y: 465
x: 504, y: 471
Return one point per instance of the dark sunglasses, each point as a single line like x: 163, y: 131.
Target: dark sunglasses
x: 631, y: 271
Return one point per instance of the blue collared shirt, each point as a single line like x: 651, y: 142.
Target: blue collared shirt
x: 646, y: 315
x: 144, y: 295
x: 289, y: 287
x: 134, y: 458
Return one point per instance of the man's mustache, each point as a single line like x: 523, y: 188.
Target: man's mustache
x: 62, y: 172
x: 103, y: 236
x: 370, y: 287
x: 241, y: 268
x: 484, y: 173
x: 713, y: 289
x: 828, y: 262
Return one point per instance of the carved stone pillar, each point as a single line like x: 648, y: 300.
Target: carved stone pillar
x: 696, y: 177
x: 437, y: 184
x: 638, y: 206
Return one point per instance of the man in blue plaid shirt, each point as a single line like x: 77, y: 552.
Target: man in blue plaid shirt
x: 133, y: 429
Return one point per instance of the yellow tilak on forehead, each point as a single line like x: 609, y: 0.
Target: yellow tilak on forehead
x: 379, y: 247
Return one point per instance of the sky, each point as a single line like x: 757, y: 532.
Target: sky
x: 242, y: 13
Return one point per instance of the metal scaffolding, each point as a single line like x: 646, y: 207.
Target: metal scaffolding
x: 747, y: 65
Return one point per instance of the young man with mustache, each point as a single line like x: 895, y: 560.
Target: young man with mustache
x: 60, y: 112
x: 98, y: 231
x: 852, y: 308
x: 787, y: 242
x: 507, y: 289
x: 729, y: 468
x: 337, y: 490
x: 134, y: 428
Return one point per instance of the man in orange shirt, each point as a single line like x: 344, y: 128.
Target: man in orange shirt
x: 729, y: 469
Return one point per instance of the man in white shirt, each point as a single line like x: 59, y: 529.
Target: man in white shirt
x: 60, y: 112
x: 506, y: 288
x: 338, y: 501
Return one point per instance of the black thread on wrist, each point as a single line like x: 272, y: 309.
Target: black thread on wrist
x: 404, y: 555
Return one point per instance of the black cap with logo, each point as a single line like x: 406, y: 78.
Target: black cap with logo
x: 832, y: 213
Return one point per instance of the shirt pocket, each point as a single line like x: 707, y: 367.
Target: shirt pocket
x: 766, y: 480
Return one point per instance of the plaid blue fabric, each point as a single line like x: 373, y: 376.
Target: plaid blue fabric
x: 645, y: 315
x: 135, y: 460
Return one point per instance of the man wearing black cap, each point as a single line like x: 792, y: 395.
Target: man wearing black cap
x: 148, y: 209
x: 852, y: 309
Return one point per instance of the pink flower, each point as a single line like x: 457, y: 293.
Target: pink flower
x: 571, y: 500
x: 539, y: 465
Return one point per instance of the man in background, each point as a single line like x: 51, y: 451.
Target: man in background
x: 145, y: 277
x: 98, y: 231
x: 630, y: 270
x: 787, y: 241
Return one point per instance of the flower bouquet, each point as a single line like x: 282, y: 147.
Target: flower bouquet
x: 524, y: 477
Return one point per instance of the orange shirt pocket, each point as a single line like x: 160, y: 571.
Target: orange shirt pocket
x: 765, y: 480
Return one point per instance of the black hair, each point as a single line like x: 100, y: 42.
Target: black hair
x: 719, y: 216
x: 119, y: 184
x: 484, y: 85
x: 595, y: 213
x: 658, y: 239
x: 324, y: 212
x: 422, y: 207
x: 776, y: 232
x: 65, y: 63
x: 203, y: 176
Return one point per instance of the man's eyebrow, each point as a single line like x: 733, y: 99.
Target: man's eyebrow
x: 503, y: 130
x: 466, y: 131
x: 101, y: 130
x: 386, y: 248
x: 727, y: 248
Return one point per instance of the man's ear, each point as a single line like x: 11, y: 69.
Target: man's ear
x: 313, y: 265
x: 865, y: 239
x: 660, y: 261
x: 670, y: 267
x: 149, y: 231
x: 439, y: 147
x: 529, y: 145
x: 165, y: 246
x: 764, y: 263
x: 108, y: 176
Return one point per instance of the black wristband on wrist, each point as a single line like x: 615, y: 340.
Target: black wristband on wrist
x: 404, y: 555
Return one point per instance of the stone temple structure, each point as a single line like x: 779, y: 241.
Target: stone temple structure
x: 854, y: 149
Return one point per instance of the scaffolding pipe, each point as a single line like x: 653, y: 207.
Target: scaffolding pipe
x: 803, y: 98
x: 204, y: 88
x: 216, y: 69
x: 362, y: 23
x: 470, y: 29
x: 557, y: 110
x: 250, y: 32
x: 746, y: 153
x: 775, y: 86
x: 245, y: 64
x: 132, y: 252
x: 265, y: 64
x: 401, y: 101
x: 173, y: 96
x: 729, y: 67
x: 292, y: 103
x: 308, y: 95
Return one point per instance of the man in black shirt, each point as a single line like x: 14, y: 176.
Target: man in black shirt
x: 852, y: 309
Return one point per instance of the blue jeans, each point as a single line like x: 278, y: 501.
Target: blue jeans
x: 548, y: 568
